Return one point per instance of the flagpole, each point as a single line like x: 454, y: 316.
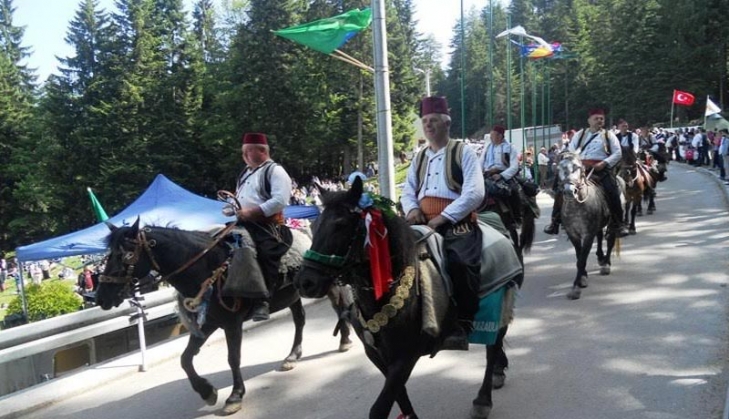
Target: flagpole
x: 382, y: 97
x: 672, y: 104
x: 491, y: 64
x: 463, y: 75
x: 508, y: 77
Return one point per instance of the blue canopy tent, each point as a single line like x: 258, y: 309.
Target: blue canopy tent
x: 164, y: 203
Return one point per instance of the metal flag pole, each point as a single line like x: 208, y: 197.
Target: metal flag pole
x: 491, y: 64
x: 672, y: 104
x: 463, y: 75
x: 508, y: 78
x: 385, y: 155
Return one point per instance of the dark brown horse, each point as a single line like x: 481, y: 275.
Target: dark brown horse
x: 637, y: 182
x: 193, y: 263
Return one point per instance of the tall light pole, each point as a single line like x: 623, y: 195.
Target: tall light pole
x: 385, y: 154
x: 491, y: 64
x: 426, y: 72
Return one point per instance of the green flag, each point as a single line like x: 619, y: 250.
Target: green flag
x: 326, y: 35
x: 98, y: 209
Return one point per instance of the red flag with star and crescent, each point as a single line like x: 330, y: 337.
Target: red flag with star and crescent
x: 683, y: 98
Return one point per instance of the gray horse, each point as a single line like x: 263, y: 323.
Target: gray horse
x: 585, y: 215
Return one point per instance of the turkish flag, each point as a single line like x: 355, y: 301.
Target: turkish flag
x: 683, y: 98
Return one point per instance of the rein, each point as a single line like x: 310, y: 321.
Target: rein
x: 141, y: 242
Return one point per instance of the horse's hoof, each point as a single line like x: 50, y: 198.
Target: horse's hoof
x: 605, y: 270
x: 480, y: 412
x: 651, y: 212
x: 287, y: 365
x: 632, y: 231
x: 639, y: 213
x: 212, y: 398
x: 498, y: 381
x: 345, y: 346
x: 582, y: 282
x: 574, y: 294
x: 232, y: 407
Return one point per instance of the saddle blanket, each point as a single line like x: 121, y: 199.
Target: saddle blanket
x: 499, y: 265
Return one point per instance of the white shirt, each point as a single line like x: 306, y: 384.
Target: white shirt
x: 724, y: 146
x: 629, y: 137
x: 493, y: 158
x: 595, y: 150
x: 435, y: 185
x: 542, y: 159
x: 250, y: 191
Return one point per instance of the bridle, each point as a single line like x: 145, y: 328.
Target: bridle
x: 141, y: 243
x: 582, y: 182
x: 335, y: 266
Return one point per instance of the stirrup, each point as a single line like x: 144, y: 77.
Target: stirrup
x: 552, y: 229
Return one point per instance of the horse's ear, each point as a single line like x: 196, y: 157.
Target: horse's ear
x: 111, y: 226
x: 135, y: 226
x: 355, y: 192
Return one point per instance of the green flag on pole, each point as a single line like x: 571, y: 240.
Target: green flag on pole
x: 327, y: 35
x: 98, y: 209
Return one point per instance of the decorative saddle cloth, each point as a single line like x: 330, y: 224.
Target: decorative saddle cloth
x: 499, y: 265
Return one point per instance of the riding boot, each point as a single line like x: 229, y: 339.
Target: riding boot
x: 616, y: 225
x: 261, y: 311
x: 553, y: 228
x: 458, y: 339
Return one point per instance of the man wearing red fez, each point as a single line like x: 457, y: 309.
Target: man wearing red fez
x: 499, y: 163
x: 263, y: 190
x: 600, y: 151
x: 444, y: 194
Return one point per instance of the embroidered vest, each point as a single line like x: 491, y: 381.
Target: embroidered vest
x: 453, y: 166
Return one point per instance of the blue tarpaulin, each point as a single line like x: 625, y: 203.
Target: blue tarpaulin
x: 164, y: 203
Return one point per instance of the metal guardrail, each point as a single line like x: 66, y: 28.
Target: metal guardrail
x: 46, y: 335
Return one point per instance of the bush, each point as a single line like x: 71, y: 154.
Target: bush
x: 49, y: 299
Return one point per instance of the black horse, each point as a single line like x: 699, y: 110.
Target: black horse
x: 520, y: 222
x: 192, y: 263
x: 585, y: 215
x: 393, y: 336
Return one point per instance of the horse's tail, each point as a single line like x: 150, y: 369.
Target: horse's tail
x: 526, y: 238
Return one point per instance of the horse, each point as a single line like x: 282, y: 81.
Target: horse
x: 637, y: 183
x: 585, y: 215
x: 654, y: 171
x: 520, y: 222
x: 194, y: 264
x: 394, y: 338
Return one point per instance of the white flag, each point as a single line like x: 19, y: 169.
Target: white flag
x: 711, y: 107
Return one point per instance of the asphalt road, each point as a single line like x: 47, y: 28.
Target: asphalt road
x: 648, y: 341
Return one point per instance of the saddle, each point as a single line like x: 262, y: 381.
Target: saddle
x: 499, y: 265
x: 242, y: 259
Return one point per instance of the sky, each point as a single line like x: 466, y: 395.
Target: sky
x: 46, y: 23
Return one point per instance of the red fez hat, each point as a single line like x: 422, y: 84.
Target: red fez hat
x: 434, y: 104
x: 500, y: 129
x: 255, y: 138
x: 597, y: 111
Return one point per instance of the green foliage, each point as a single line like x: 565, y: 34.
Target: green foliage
x: 49, y: 299
x: 149, y: 89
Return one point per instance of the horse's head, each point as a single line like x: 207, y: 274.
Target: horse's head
x: 128, y: 261
x: 337, y: 244
x: 570, y: 171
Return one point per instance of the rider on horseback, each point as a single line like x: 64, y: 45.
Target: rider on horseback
x: 628, y: 139
x: 444, y: 188
x: 600, y: 152
x: 500, y: 164
x: 263, y: 190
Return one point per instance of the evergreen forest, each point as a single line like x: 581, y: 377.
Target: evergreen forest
x: 154, y: 88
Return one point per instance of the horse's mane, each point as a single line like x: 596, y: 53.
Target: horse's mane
x: 402, y: 239
x: 195, y: 239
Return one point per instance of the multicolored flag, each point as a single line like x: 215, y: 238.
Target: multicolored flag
x: 98, y: 209
x: 683, y: 98
x: 711, y: 107
x: 543, y: 49
x: 327, y: 35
